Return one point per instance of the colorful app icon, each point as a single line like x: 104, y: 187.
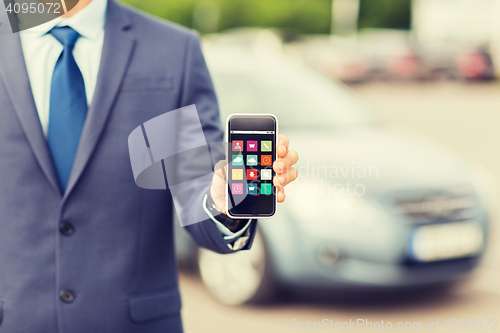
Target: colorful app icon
x: 266, y: 146
x: 266, y: 174
x: 237, y: 159
x: 237, y: 174
x: 237, y: 145
x: 252, y: 188
x: 237, y: 188
x: 265, y: 189
x: 266, y: 160
x: 252, y: 146
x: 252, y: 174
x: 252, y: 160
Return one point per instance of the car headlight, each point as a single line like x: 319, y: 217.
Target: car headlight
x: 319, y: 205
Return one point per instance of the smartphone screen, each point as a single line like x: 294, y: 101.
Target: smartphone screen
x: 251, y: 153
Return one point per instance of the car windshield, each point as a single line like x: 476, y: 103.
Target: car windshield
x: 299, y: 97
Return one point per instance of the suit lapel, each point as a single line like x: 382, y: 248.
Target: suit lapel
x: 15, y: 77
x: 117, y: 52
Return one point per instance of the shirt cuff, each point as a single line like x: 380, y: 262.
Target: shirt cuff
x: 228, y: 234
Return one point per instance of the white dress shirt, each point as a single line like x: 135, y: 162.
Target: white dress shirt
x: 41, y: 51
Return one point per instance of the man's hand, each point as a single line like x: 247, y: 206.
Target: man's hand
x: 285, y: 174
x: 218, y: 188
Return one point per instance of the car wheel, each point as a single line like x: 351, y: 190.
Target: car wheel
x: 239, y: 278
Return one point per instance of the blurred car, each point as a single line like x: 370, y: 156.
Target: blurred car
x: 461, y: 34
x: 379, y: 54
x: 458, y: 61
x: 475, y: 64
x: 335, y: 55
x: 417, y: 216
x: 393, y: 54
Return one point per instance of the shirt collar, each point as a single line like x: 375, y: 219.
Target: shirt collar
x: 89, y: 22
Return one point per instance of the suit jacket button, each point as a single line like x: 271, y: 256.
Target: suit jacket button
x: 66, y: 296
x: 66, y: 228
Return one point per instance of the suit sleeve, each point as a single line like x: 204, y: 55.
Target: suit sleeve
x: 198, y: 89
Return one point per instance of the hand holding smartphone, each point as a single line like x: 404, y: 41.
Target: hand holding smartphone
x: 251, y: 152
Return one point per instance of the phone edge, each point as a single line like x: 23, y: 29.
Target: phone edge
x: 227, y: 163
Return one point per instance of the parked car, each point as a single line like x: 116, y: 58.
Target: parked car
x: 337, y: 56
x: 372, y: 207
x: 372, y: 54
x: 458, y: 61
x: 393, y: 54
x: 475, y: 64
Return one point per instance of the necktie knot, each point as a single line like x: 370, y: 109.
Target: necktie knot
x: 65, y: 35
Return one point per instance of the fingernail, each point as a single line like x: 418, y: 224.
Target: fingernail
x: 283, y: 148
x: 281, y: 180
x: 280, y: 166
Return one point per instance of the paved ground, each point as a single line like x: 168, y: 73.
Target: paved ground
x: 466, y: 119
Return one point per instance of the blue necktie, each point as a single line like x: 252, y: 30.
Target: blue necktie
x: 68, y: 106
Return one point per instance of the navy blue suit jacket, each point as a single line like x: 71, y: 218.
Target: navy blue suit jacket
x: 120, y: 261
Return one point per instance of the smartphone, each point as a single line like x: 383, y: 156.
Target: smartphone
x: 251, y: 152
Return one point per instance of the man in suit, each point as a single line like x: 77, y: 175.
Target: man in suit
x: 82, y: 248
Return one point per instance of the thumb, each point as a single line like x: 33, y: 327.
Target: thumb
x: 218, y: 188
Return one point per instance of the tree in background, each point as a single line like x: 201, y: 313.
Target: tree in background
x: 301, y: 16
x: 304, y: 16
x: 393, y: 14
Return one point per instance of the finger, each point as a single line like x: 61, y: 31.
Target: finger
x: 279, y: 166
x: 286, y: 177
x: 283, y: 140
x: 220, y: 169
x: 282, y: 146
x: 284, y: 163
x: 281, y: 195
